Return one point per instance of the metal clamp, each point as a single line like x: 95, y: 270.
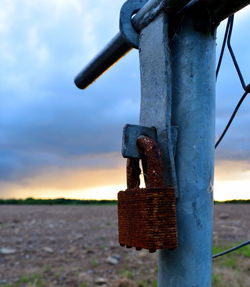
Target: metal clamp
x: 129, y: 139
x: 129, y: 8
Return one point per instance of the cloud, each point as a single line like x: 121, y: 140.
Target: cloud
x: 6, y: 16
x: 104, y: 175
x: 232, y: 179
x: 49, y: 128
x: 45, y: 121
x: 39, y: 49
x: 232, y: 169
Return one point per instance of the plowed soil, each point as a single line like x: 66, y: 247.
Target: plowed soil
x: 77, y: 245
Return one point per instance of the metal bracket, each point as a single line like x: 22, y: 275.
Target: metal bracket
x: 130, y: 136
x: 129, y: 8
x: 132, y: 132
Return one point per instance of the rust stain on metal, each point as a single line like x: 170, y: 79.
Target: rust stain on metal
x: 133, y: 173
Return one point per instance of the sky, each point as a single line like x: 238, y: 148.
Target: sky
x: 59, y: 141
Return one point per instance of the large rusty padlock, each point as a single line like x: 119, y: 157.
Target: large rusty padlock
x: 147, y: 216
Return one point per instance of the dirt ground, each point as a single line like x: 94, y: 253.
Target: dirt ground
x: 77, y: 246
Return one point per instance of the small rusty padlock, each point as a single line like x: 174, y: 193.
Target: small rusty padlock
x: 147, y: 216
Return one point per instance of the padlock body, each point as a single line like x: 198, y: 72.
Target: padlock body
x: 147, y: 218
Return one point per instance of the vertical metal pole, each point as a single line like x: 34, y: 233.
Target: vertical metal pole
x: 192, y: 62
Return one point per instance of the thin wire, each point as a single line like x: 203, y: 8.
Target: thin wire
x: 227, y: 37
x: 223, y: 46
x: 232, y: 53
x: 232, y: 116
x: 231, y: 249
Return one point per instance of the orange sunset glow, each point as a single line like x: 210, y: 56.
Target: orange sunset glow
x: 232, y: 181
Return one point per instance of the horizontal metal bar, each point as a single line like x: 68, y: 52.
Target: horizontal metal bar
x: 221, y: 9
x: 114, y: 51
x: 118, y: 46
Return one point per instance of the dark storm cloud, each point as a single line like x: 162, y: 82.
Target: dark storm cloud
x: 45, y: 121
x: 67, y: 123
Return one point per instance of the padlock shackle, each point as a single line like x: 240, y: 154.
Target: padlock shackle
x: 133, y: 173
x: 152, y: 167
x: 153, y: 161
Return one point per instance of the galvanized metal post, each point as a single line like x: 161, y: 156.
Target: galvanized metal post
x: 190, y: 70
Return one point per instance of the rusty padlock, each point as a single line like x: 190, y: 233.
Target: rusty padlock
x: 147, y: 216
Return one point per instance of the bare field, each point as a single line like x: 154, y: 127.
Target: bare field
x: 77, y: 246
